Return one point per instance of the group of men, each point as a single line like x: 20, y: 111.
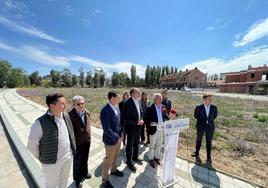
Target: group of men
x: 125, y: 122
x: 58, y: 138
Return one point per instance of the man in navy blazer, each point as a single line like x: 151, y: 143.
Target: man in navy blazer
x: 112, y: 138
x: 205, y: 115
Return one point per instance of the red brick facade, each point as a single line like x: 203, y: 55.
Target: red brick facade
x: 251, y: 81
x: 191, y: 78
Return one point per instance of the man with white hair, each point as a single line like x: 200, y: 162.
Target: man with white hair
x: 82, y: 131
x: 156, y: 114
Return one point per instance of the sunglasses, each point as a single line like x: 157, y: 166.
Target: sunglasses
x: 80, y: 104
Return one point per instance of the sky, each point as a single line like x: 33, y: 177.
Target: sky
x: 214, y: 35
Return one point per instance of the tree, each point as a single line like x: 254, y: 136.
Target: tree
x: 17, y: 78
x: 172, y: 70
x: 115, y: 79
x: 81, y: 77
x: 163, y: 73
x: 74, y: 80
x: 147, y: 76
x: 35, y: 79
x: 88, y: 78
x: 55, y: 77
x: 102, y: 76
x: 133, y: 75
x: 67, y: 77
x: 96, y: 78
x: 176, y: 70
x: 5, y: 68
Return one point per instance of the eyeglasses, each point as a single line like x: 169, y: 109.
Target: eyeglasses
x: 80, y: 104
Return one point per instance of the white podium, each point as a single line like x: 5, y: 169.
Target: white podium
x: 171, y: 137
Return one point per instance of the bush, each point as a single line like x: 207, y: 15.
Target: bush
x: 243, y: 147
x: 262, y: 118
x: 255, y: 115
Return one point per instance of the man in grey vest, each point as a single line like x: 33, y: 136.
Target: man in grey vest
x: 52, y: 141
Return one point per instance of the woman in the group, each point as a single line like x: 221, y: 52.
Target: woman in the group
x: 144, y: 104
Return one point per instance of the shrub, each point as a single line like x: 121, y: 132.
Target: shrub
x: 262, y: 118
x: 255, y: 115
x: 243, y: 147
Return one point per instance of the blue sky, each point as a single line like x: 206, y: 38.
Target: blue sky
x: 215, y: 36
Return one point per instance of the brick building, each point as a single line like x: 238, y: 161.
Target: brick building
x: 254, y: 80
x: 192, y: 78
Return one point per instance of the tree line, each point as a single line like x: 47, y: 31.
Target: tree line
x: 17, y: 77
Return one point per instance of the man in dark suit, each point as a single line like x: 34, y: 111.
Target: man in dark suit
x: 166, y: 102
x: 82, y: 131
x: 112, y: 138
x: 205, y: 115
x: 121, y: 105
x: 156, y: 114
x: 133, y: 119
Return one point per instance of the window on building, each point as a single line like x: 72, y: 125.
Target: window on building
x: 252, y: 75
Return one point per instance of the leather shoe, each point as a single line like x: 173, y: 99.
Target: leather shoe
x: 131, y: 167
x: 88, y: 176
x: 152, y: 163
x: 107, y: 184
x: 157, y: 161
x: 117, y: 173
x: 194, y: 154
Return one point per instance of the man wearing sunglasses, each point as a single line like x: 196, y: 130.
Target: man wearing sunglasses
x: 82, y: 131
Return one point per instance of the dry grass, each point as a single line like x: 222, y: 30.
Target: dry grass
x: 240, y: 141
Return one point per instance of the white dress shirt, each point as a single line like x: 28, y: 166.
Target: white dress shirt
x: 137, y: 107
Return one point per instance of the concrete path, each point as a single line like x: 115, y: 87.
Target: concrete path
x: 11, y: 167
x: 20, y: 113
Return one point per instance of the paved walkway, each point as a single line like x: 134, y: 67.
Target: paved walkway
x: 20, y: 114
x: 11, y: 167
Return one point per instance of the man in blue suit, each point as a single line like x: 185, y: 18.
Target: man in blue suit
x: 112, y: 138
x: 205, y: 115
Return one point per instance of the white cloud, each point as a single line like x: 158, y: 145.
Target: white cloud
x: 41, y: 56
x: 218, y: 24
x: 254, y: 57
x: 35, y: 54
x: 210, y: 28
x: 27, y: 29
x: 255, y: 32
x: 117, y: 66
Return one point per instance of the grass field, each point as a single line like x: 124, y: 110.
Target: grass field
x: 240, y: 143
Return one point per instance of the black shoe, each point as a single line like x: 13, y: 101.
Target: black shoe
x: 88, y: 176
x: 157, y: 161
x: 117, y: 173
x: 107, y: 184
x: 195, y: 154
x: 79, y: 184
x: 138, y: 161
x: 209, y: 161
x: 152, y: 163
x: 131, y: 167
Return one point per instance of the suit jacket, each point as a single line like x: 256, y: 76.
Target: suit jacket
x: 151, y: 116
x: 131, y: 116
x: 111, y: 125
x: 122, y: 121
x: 203, y: 121
x: 82, y: 132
